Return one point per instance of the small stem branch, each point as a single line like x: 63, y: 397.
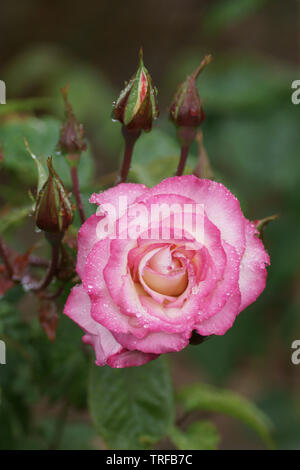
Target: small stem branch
x: 4, y: 256
x: 75, y: 181
x: 182, y: 161
x: 130, y: 140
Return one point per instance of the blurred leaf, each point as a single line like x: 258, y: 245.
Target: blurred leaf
x: 14, y: 216
x: 48, y: 68
x: 260, y: 149
x: 75, y: 435
x: 225, y: 13
x: 285, y: 411
x: 155, y: 157
x: 201, y: 435
x: 25, y: 105
x: 131, y: 407
x: 232, y: 84
x: 209, y: 398
x: 42, y: 136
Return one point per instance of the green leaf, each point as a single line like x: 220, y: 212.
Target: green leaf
x: 14, y: 216
x: 228, y: 12
x: 209, y: 398
x: 131, y: 407
x: 42, y: 136
x: 155, y: 157
x: 25, y: 105
x: 201, y: 435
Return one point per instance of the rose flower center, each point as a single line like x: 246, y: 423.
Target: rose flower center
x: 165, y: 274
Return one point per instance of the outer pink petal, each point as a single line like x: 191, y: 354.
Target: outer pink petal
x: 127, y: 358
x: 223, y: 320
x: 221, y: 206
x: 129, y: 190
x: 253, y: 273
x: 87, y: 237
x: 78, y: 309
x: 158, y: 343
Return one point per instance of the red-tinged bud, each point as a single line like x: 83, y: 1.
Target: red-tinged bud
x: 136, y: 107
x: 72, y: 140
x: 53, y: 212
x: 186, y: 109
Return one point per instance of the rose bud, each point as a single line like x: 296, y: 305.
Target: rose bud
x: 53, y: 212
x: 71, y: 139
x: 186, y: 109
x: 136, y: 107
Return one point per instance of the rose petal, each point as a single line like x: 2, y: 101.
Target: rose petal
x: 158, y: 343
x: 78, y: 309
x: 221, y: 322
x: 221, y: 206
x: 253, y: 273
x: 127, y: 358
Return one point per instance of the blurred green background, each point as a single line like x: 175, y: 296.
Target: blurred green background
x: 252, y: 136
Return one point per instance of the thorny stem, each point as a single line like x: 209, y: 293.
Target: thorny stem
x: 130, y: 140
x: 183, y: 157
x: 3, y: 254
x: 75, y: 181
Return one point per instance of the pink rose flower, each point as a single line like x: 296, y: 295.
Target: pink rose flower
x: 140, y: 296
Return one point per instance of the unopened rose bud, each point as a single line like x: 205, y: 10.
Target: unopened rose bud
x: 186, y: 110
x: 72, y: 140
x: 53, y: 212
x: 136, y: 107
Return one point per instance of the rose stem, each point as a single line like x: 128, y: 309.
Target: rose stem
x: 75, y: 181
x: 183, y: 157
x: 130, y: 140
x: 6, y: 261
x: 54, y: 240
